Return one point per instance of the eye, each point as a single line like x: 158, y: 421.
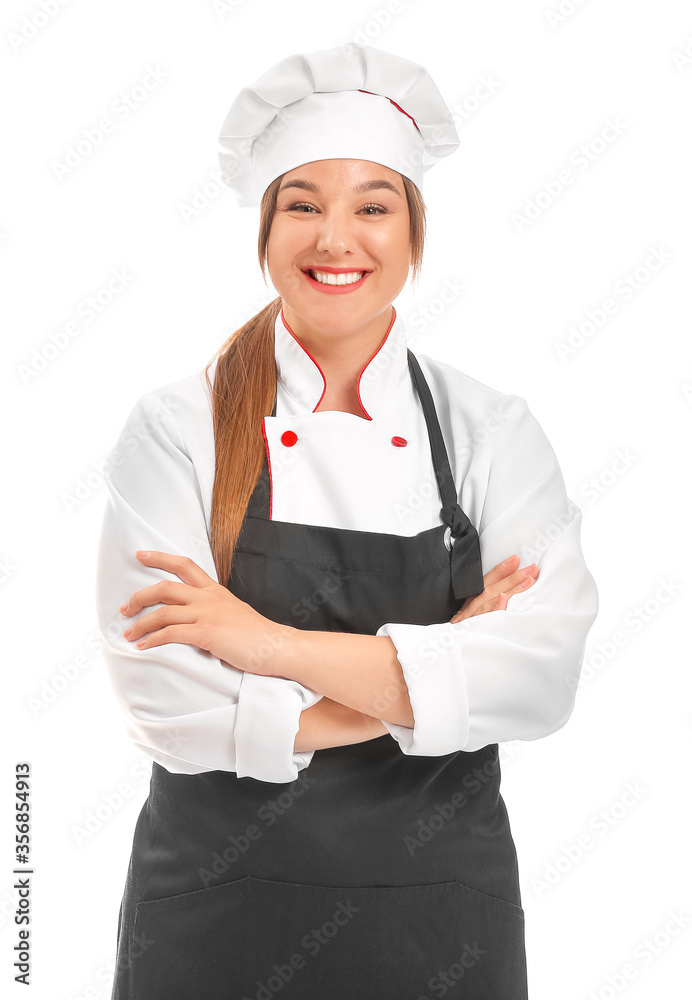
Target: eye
x: 298, y: 205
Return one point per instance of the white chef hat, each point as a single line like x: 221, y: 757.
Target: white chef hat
x: 350, y: 101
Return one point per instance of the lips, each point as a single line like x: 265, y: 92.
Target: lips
x: 336, y: 289
x: 337, y: 270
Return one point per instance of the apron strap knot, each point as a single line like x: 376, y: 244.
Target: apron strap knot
x: 466, y: 570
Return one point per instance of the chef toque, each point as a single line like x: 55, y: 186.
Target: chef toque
x: 351, y: 101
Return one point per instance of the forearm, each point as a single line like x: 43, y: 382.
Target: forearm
x: 361, y: 672
x: 330, y: 724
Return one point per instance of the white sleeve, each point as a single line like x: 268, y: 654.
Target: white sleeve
x: 181, y: 706
x: 506, y: 675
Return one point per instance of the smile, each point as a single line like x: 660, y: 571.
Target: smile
x: 335, y: 283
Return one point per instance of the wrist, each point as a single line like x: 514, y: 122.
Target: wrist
x: 286, y: 655
x: 272, y: 654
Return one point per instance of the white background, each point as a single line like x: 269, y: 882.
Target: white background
x: 529, y: 87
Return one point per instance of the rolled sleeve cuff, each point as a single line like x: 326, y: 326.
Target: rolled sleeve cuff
x: 430, y: 660
x: 267, y: 721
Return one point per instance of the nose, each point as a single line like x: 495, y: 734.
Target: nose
x: 335, y: 233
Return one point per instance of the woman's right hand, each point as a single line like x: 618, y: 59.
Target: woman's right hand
x: 501, y: 582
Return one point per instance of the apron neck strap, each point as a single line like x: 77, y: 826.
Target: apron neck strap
x: 443, y: 472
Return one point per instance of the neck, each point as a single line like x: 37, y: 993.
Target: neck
x: 341, y: 356
x: 352, y: 373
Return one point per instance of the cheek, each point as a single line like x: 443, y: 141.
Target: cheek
x: 392, y: 246
x: 284, y: 248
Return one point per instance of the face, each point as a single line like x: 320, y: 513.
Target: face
x: 340, y: 215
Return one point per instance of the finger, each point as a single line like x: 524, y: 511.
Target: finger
x: 184, y: 567
x: 497, y: 581
x: 517, y: 578
x: 185, y: 633
x: 158, y: 619
x: 165, y: 591
x: 525, y: 584
x: 499, y: 572
x: 478, y: 606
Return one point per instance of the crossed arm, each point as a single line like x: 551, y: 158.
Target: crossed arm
x: 360, y: 676
x: 492, y: 677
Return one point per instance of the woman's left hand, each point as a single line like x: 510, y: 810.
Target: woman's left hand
x: 200, y: 612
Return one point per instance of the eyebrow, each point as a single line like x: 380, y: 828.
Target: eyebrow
x: 358, y: 188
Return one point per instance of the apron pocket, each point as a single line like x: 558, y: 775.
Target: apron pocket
x: 419, y: 942
x: 189, y: 945
x: 255, y: 939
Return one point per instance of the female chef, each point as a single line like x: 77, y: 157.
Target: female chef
x: 326, y: 629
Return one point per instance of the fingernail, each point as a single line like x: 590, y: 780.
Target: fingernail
x: 508, y: 561
x: 123, y: 608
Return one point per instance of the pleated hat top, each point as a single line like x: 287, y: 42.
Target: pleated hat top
x: 352, y: 101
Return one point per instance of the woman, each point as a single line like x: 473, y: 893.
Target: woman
x: 330, y: 630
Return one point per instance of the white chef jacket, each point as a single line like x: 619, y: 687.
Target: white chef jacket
x: 502, y: 675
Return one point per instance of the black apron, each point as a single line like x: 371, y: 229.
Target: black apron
x: 375, y: 875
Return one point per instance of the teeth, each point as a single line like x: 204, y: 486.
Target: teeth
x: 326, y: 278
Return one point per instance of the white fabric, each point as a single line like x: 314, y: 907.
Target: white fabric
x: 499, y: 676
x: 334, y: 103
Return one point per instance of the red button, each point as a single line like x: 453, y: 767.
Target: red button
x: 399, y: 442
x: 289, y: 438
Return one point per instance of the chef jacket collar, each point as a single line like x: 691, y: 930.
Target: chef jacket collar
x: 303, y: 378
